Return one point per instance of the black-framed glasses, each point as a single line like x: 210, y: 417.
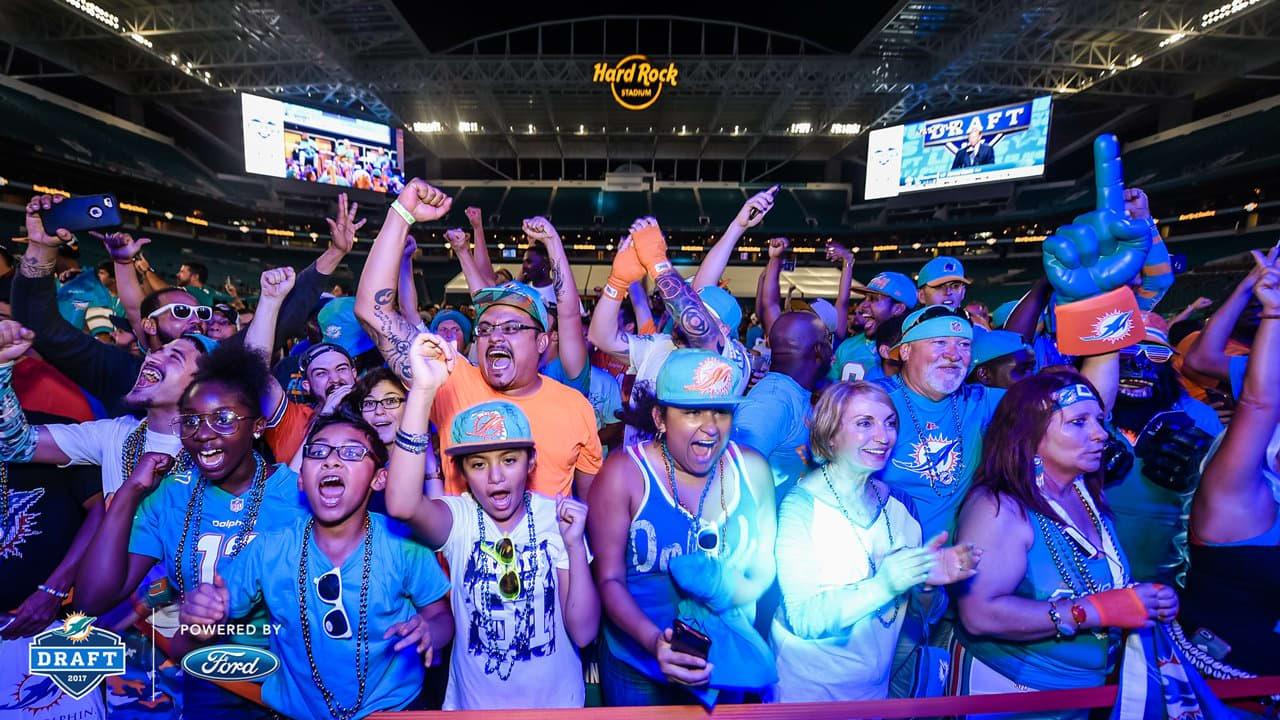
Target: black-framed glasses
x: 506, y: 328
x: 390, y: 402
x: 504, y: 553
x: 329, y: 589
x: 182, y: 311
x: 321, y: 451
x: 223, y: 421
x: 937, y: 311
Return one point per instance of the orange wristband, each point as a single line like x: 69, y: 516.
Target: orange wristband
x: 1120, y: 608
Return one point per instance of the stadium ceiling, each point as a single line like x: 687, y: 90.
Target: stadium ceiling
x: 741, y: 91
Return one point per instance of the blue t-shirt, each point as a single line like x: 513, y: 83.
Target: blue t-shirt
x: 582, y: 383
x: 934, y: 461
x: 403, y: 577
x: 856, y: 359
x: 774, y: 420
x: 754, y: 333
x: 1236, y: 367
x: 605, y: 397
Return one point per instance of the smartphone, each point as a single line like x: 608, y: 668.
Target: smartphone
x: 86, y: 212
x: 685, y: 639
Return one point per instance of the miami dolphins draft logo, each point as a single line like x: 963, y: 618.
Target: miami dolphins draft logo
x: 713, y: 377
x: 1112, y: 327
x: 489, y: 425
x: 936, y: 456
x: 634, y: 82
x: 76, y: 656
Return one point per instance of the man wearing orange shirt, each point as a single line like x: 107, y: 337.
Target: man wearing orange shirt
x: 511, y: 334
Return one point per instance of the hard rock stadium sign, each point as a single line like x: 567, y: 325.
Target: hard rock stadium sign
x: 634, y: 81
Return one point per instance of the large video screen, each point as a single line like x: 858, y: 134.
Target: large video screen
x: 1003, y: 143
x: 291, y: 141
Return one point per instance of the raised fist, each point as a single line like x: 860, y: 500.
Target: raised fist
x: 473, y: 215
x: 15, y: 340
x: 121, y: 246
x: 457, y: 240
x: 540, y: 229
x: 778, y: 246
x: 410, y: 247
x: 1101, y: 250
x: 650, y: 245
x: 424, y: 202
x: 277, y: 282
x: 431, y: 358
x: 150, y: 469
x: 839, y: 253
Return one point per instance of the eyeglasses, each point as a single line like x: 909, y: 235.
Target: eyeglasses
x: 223, y: 422
x: 1155, y: 353
x: 391, y: 402
x: 349, y: 453
x: 937, y: 312
x: 329, y: 588
x: 507, y: 328
x: 504, y: 553
x: 182, y: 311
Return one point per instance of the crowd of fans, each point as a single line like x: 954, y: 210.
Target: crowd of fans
x: 543, y: 500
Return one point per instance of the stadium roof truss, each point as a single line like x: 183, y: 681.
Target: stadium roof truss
x: 742, y: 91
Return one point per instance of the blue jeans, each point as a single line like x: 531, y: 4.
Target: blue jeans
x: 625, y: 686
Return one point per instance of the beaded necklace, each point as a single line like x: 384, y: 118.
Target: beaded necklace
x: 195, y: 509
x: 4, y: 499
x: 522, y: 627
x: 336, y: 709
x: 871, y: 563
x: 935, y: 478
x: 695, y: 522
x: 134, y: 445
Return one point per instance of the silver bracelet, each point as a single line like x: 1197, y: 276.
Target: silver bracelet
x: 56, y: 593
x: 32, y: 269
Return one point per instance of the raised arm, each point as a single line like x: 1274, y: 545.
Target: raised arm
x: 1234, y: 501
x: 476, y: 278
x: 691, y: 316
x: 432, y: 359
x: 625, y: 276
x: 1104, y: 372
x: 717, y: 258
x: 640, y: 306
x: 1208, y: 353
x: 770, y: 294
x: 375, y: 296
x: 1025, y: 316
x: 839, y: 252
x: 484, y: 267
x: 408, y: 292
x: 261, y: 333
x: 1200, y: 303
x: 573, y: 349
x: 124, y: 251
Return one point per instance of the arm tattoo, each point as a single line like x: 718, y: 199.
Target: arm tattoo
x: 394, y: 334
x: 557, y: 279
x: 690, y: 314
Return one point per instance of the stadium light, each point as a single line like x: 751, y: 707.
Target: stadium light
x: 468, y: 127
x: 140, y: 40
x: 1213, y: 17
x: 845, y: 128
x: 1176, y: 37
x: 428, y: 127
x: 801, y: 128
x: 97, y: 12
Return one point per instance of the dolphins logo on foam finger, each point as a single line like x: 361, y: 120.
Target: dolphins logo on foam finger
x: 1111, y: 327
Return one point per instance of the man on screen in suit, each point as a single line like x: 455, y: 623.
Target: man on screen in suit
x: 976, y: 151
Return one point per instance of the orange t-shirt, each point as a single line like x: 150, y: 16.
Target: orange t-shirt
x: 286, y: 436
x: 563, y: 424
x: 1193, y: 382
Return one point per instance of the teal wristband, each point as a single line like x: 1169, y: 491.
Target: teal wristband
x: 404, y: 214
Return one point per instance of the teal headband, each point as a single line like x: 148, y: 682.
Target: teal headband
x: 1072, y: 394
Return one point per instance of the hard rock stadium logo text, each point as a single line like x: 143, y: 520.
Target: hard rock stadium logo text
x: 636, y: 84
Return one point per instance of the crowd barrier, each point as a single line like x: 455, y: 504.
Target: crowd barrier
x: 925, y: 707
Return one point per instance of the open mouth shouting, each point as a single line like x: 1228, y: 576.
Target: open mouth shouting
x: 1136, y: 388
x: 499, y: 358
x: 331, y: 489
x: 151, y: 375
x: 501, y: 501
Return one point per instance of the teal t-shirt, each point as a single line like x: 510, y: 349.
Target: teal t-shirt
x: 774, y: 420
x: 856, y: 359
x: 159, y: 521
x: 1151, y: 521
x: 80, y: 293
x: 403, y: 577
x: 581, y: 383
x: 939, y: 447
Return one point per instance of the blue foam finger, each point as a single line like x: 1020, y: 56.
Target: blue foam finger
x: 1108, y: 173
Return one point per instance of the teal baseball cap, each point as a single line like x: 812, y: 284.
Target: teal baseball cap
x: 454, y: 315
x: 722, y: 305
x: 991, y: 344
x: 513, y: 294
x: 894, y: 285
x: 494, y: 425
x: 1001, y: 314
x: 934, y: 321
x: 941, y: 269
x: 696, y: 379
x: 339, y: 326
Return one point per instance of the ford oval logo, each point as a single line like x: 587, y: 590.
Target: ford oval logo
x: 230, y: 663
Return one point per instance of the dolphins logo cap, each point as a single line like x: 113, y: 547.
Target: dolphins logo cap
x: 723, y: 306
x: 697, y: 379
x: 940, y: 270
x: 894, y: 285
x: 494, y: 425
x: 513, y: 294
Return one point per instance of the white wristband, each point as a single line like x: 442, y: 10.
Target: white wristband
x: 405, y: 214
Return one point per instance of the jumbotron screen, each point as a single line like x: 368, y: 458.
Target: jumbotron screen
x: 291, y: 141
x: 1002, y: 143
